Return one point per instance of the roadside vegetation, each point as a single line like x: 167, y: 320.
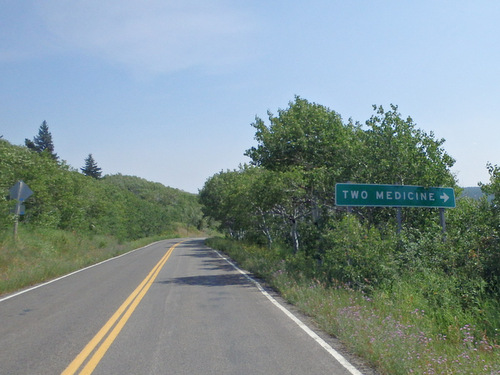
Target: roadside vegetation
x: 76, y: 219
x: 398, y: 329
x: 41, y: 254
x: 418, y: 301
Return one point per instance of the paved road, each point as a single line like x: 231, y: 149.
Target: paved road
x: 158, y: 310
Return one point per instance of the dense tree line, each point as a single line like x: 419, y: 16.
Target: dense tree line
x: 285, y: 197
x: 304, y: 152
x: 123, y: 206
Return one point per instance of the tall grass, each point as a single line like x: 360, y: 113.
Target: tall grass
x: 40, y: 254
x: 397, y: 330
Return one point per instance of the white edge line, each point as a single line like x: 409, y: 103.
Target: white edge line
x: 344, y: 362
x: 73, y: 273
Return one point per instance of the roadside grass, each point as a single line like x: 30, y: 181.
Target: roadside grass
x: 41, y: 254
x: 397, y: 332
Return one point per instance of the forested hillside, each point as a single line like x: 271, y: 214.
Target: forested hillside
x: 126, y: 207
x: 76, y: 219
x: 284, y: 202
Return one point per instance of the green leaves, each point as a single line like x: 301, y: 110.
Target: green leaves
x: 91, y: 169
x: 396, y: 152
x: 306, y: 135
x: 42, y: 142
x: 304, y: 150
x: 123, y: 206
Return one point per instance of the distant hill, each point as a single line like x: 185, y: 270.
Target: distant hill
x: 474, y: 192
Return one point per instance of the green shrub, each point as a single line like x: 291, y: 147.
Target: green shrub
x: 356, y: 255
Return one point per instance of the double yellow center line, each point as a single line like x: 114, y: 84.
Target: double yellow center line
x: 102, y: 340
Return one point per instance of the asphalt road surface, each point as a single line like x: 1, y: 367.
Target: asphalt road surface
x: 169, y: 308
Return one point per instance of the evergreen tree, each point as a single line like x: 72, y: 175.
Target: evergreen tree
x: 42, y: 142
x: 91, y: 169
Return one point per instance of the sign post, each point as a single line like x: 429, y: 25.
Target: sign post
x: 371, y: 195
x: 20, y: 192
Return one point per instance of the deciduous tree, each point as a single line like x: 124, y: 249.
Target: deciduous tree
x: 397, y: 152
x: 306, y: 134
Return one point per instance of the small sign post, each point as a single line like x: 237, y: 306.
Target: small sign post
x: 20, y: 192
x: 371, y: 195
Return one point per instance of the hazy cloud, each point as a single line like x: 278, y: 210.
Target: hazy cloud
x: 155, y: 36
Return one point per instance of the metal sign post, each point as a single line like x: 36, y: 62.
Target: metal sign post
x: 443, y: 223
x: 20, y: 192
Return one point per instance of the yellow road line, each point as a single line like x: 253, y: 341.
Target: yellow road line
x: 124, y: 311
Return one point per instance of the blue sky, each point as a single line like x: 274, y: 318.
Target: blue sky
x: 167, y: 90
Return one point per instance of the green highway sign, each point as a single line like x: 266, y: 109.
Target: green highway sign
x: 393, y: 196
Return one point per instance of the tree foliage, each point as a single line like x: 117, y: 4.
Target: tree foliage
x: 304, y: 151
x: 396, y: 152
x: 306, y: 135
x: 286, y: 196
x: 123, y: 206
x: 90, y: 168
x: 42, y: 142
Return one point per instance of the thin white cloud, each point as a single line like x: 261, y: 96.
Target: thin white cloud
x: 22, y: 33
x: 153, y: 36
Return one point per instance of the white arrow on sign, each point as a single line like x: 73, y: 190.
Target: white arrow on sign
x: 444, y: 197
